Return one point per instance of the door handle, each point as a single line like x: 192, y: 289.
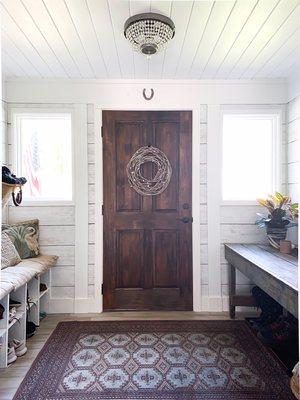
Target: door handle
x: 186, y: 220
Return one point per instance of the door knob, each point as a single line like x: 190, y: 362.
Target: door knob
x: 185, y: 220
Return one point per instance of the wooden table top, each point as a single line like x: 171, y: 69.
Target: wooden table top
x: 283, y: 267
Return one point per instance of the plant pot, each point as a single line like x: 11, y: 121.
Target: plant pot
x: 275, y: 235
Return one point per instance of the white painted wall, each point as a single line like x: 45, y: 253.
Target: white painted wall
x: 293, y: 156
x: 4, y: 131
x: 4, y: 141
x: 218, y: 223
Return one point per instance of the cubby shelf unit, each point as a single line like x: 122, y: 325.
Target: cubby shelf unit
x: 16, y: 328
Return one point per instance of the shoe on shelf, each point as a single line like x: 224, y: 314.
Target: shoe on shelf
x: 20, y: 347
x: 43, y: 287
x: 30, y: 329
x: 12, y: 313
x: 279, y: 333
x: 43, y: 315
x: 11, y: 354
x: 14, y: 303
x: 2, y: 309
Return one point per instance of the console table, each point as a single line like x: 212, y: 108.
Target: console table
x: 274, y: 272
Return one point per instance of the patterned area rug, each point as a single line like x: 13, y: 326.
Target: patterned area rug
x: 207, y: 360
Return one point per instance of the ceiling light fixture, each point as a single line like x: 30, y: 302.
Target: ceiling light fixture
x: 149, y: 32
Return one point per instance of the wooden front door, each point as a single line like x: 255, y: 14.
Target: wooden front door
x: 147, y: 263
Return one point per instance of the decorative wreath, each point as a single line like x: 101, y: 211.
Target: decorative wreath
x: 161, y: 180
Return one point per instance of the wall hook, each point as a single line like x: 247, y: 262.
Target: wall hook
x: 151, y: 95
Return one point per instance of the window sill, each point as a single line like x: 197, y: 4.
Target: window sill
x: 239, y: 203
x: 46, y: 203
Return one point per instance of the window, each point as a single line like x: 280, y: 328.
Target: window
x: 43, y: 150
x: 250, y: 155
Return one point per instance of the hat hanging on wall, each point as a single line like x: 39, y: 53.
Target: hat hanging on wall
x: 10, y: 183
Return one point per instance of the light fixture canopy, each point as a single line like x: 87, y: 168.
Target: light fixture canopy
x: 149, y: 32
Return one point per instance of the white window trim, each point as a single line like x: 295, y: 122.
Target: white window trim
x: 277, y: 113
x: 15, y: 156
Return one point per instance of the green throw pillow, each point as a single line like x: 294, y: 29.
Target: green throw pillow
x: 25, y: 237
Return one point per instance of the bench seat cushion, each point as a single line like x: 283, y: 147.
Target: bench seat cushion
x: 27, y: 269
x: 5, y: 289
x: 39, y: 264
x: 17, y: 276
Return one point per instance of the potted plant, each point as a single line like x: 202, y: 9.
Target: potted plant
x: 282, y: 214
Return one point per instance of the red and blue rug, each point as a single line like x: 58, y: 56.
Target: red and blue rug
x: 207, y: 360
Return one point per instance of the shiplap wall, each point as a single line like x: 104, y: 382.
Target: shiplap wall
x: 4, y: 131
x: 293, y: 156
x: 4, y: 146
x: 293, y: 147
x: 91, y: 196
x: 237, y: 222
x: 57, y: 231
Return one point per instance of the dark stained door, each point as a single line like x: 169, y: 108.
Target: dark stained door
x: 147, y: 259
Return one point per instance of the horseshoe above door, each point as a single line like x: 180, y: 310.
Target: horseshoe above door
x: 151, y: 95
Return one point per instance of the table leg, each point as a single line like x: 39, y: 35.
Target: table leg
x: 232, y: 290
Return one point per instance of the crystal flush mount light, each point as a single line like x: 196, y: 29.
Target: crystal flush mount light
x: 149, y: 32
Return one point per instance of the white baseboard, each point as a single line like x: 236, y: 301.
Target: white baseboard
x: 93, y: 305
x: 61, y: 306
x: 90, y: 305
x: 212, y: 304
x: 225, y: 303
x: 77, y: 306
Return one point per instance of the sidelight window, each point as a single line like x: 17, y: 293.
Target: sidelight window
x: 250, y: 155
x: 43, y: 154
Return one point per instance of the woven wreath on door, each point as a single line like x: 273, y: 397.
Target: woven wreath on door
x: 149, y: 186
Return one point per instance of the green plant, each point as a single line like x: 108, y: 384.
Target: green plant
x: 282, y: 212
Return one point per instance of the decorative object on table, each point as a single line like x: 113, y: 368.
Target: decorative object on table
x: 295, y: 381
x: 149, y: 32
x: 161, y: 180
x: 285, y: 246
x: 10, y: 183
x: 9, y: 255
x: 179, y: 360
x: 24, y: 236
x: 282, y: 215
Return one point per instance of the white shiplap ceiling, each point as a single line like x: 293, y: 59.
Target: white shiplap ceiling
x: 244, y: 39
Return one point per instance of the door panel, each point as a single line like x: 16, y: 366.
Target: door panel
x: 129, y: 137
x: 147, y: 243
x: 166, y: 254
x: 130, y: 251
x: 166, y: 139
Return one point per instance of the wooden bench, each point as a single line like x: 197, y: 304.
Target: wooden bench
x: 272, y: 271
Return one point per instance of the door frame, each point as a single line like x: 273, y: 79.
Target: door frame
x: 196, y: 142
